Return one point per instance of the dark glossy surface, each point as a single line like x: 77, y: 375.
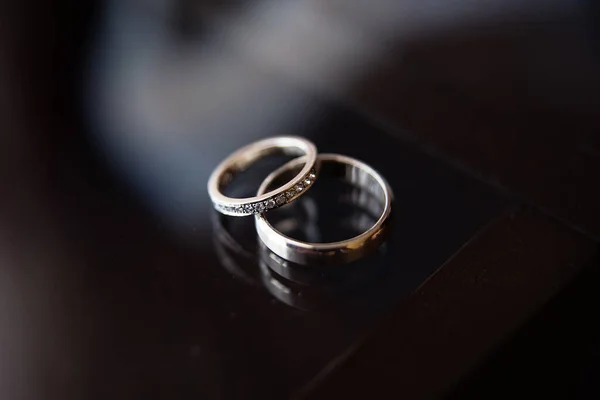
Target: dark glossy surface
x: 436, y: 338
x: 230, y: 336
x: 143, y: 309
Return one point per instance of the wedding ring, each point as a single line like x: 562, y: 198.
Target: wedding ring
x: 352, y: 171
x: 246, y: 156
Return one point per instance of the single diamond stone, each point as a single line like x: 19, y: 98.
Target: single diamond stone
x: 299, y: 187
x: 248, y: 208
x: 307, y: 182
x: 280, y: 200
x: 290, y: 193
x: 270, y: 203
x: 312, y: 175
x: 259, y: 207
x: 238, y: 209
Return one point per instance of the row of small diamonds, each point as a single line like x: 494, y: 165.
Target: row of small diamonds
x: 274, y: 202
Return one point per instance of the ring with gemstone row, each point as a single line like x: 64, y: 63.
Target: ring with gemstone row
x: 246, y: 156
x: 352, y: 171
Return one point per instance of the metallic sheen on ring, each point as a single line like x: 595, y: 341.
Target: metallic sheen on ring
x: 244, y: 157
x: 353, y: 171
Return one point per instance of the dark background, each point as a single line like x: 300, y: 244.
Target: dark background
x: 483, y: 116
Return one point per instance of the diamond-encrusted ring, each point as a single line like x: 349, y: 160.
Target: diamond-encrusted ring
x: 357, y: 174
x: 246, y: 156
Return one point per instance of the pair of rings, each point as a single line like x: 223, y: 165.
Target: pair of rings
x: 305, y: 170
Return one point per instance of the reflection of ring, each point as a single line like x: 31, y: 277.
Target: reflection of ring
x: 343, y: 293
x: 343, y: 278
x: 230, y: 252
x: 284, y: 292
x: 358, y: 174
x: 244, y: 157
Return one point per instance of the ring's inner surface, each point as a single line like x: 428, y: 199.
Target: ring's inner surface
x: 345, y: 202
x: 242, y: 177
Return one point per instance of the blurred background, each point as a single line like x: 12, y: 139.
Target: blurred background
x: 115, y: 112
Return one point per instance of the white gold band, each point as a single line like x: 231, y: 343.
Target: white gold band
x: 244, y: 157
x: 353, y: 171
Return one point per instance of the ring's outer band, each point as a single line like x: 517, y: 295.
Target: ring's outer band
x: 333, y: 253
x: 244, y: 157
